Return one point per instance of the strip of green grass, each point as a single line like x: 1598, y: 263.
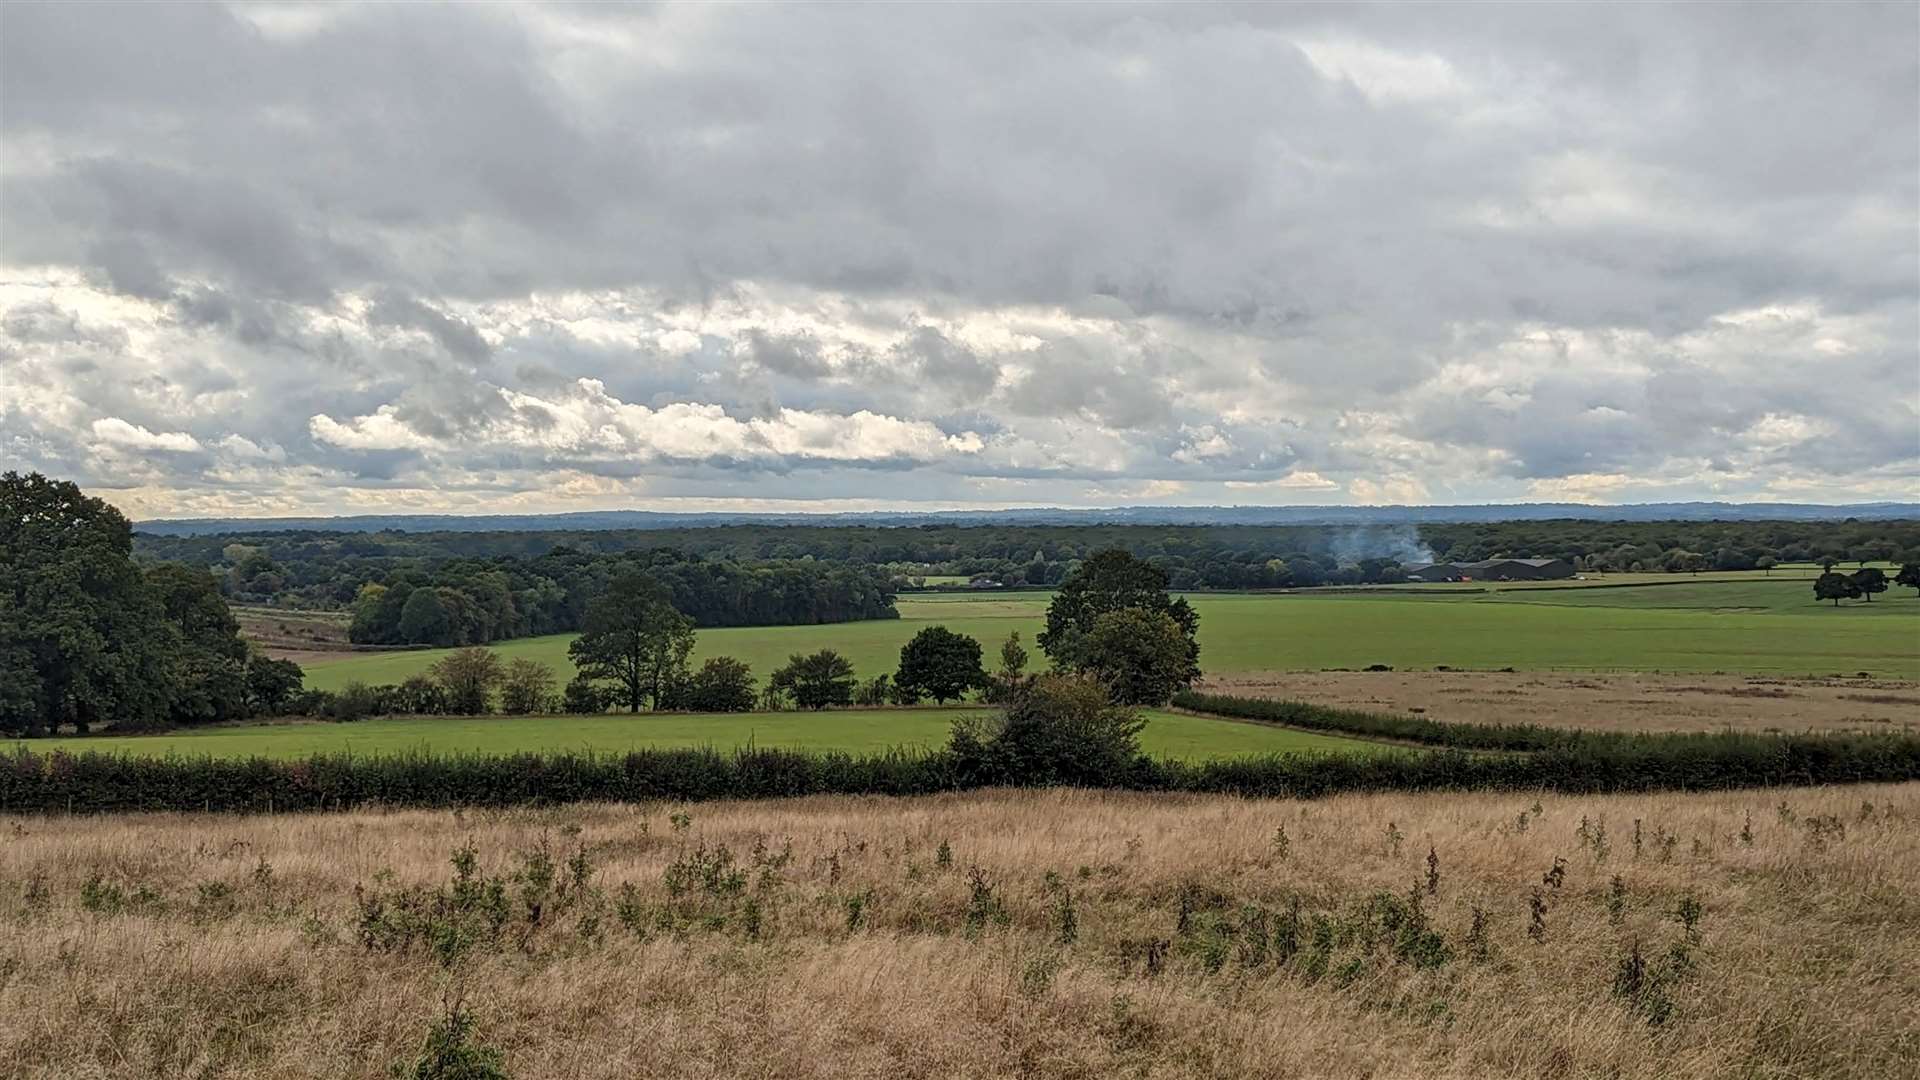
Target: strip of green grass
x: 1756, y: 627
x: 1175, y: 735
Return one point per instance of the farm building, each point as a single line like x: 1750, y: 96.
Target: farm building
x: 1492, y: 570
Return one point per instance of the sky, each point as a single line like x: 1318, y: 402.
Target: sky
x: 316, y: 259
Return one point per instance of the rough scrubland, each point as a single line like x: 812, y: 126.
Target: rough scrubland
x: 1760, y: 933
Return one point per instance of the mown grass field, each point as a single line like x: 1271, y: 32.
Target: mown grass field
x: 1750, y: 623
x: 856, y: 731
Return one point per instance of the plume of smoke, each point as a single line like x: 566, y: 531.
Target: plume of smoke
x: 1400, y: 543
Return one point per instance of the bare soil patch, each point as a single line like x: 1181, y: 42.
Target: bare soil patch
x: 1638, y: 702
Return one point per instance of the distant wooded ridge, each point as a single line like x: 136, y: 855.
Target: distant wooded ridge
x: 1133, y: 515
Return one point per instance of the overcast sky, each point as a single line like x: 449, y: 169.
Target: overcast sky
x: 316, y: 259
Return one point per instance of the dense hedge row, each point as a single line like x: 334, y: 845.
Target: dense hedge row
x: 94, y: 783
x: 1404, y: 727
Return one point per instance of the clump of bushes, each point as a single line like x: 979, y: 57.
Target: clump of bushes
x: 1058, y: 729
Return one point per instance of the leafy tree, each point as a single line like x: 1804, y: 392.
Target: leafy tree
x: 1765, y: 564
x: 939, y: 664
x: 1869, y: 580
x: 1909, y: 576
x: 584, y: 696
x: 1111, y: 581
x: 722, y: 684
x: 209, y: 682
x: 1003, y: 683
x: 1059, y: 729
x: 1139, y: 656
x: 1835, y: 587
x: 526, y: 687
x: 271, y: 684
x: 469, y: 676
x: 420, y: 695
x: 424, y: 620
x: 83, y: 637
x: 815, y: 681
x: 633, y: 637
x: 880, y: 690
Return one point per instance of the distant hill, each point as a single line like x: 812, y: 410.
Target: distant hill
x: 1127, y: 515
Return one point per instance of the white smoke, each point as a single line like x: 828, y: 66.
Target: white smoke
x: 1400, y: 543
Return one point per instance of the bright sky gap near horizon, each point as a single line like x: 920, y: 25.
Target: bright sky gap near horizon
x: 314, y: 259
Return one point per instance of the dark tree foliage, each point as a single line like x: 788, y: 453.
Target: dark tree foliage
x: 1835, y: 587
x: 84, y: 636
x: 940, y: 664
x: 210, y: 658
x: 584, y: 696
x: 87, y: 636
x: 633, y: 637
x: 1142, y: 657
x: 1058, y: 729
x: 1869, y: 580
x: 722, y: 684
x: 271, y: 684
x: 321, y: 569
x: 815, y: 681
x: 1909, y: 576
x: 1109, y: 582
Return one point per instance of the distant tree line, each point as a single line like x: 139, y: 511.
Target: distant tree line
x: 318, y: 569
x: 474, y: 601
x: 88, y: 636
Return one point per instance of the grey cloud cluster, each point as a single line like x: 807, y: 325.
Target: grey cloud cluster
x: 342, y: 256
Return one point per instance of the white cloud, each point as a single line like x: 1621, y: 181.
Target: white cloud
x: 115, y: 432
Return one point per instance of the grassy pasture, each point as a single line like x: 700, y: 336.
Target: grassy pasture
x: 1750, y: 624
x: 857, y: 731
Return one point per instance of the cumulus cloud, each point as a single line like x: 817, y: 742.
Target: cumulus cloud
x: 116, y: 432
x: 550, y: 255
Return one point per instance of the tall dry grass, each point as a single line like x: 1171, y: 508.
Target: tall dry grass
x: 241, y: 956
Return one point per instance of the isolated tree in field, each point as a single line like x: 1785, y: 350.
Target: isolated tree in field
x: 1869, y: 580
x: 1139, y: 656
x: 722, y: 684
x: 939, y: 664
x: 1765, y: 564
x: 1835, y: 587
x: 1909, y: 576
x: 1112, y: 581
x: 634, y: 638
x: 469, y: 676
x: 816, y: 681
x: 526, y: 687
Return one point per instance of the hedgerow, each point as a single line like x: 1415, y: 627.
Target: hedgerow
x: 100, y: 783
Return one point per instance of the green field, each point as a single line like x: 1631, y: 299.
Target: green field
x: 1731, y: 623
x: 852, y: 730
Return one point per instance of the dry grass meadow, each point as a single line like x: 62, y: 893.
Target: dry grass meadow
x: 1603, y: 702
x: 1062, y: 934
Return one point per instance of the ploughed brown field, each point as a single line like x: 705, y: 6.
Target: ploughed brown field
x: 1061, y: 934
x: 1603, y: 702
